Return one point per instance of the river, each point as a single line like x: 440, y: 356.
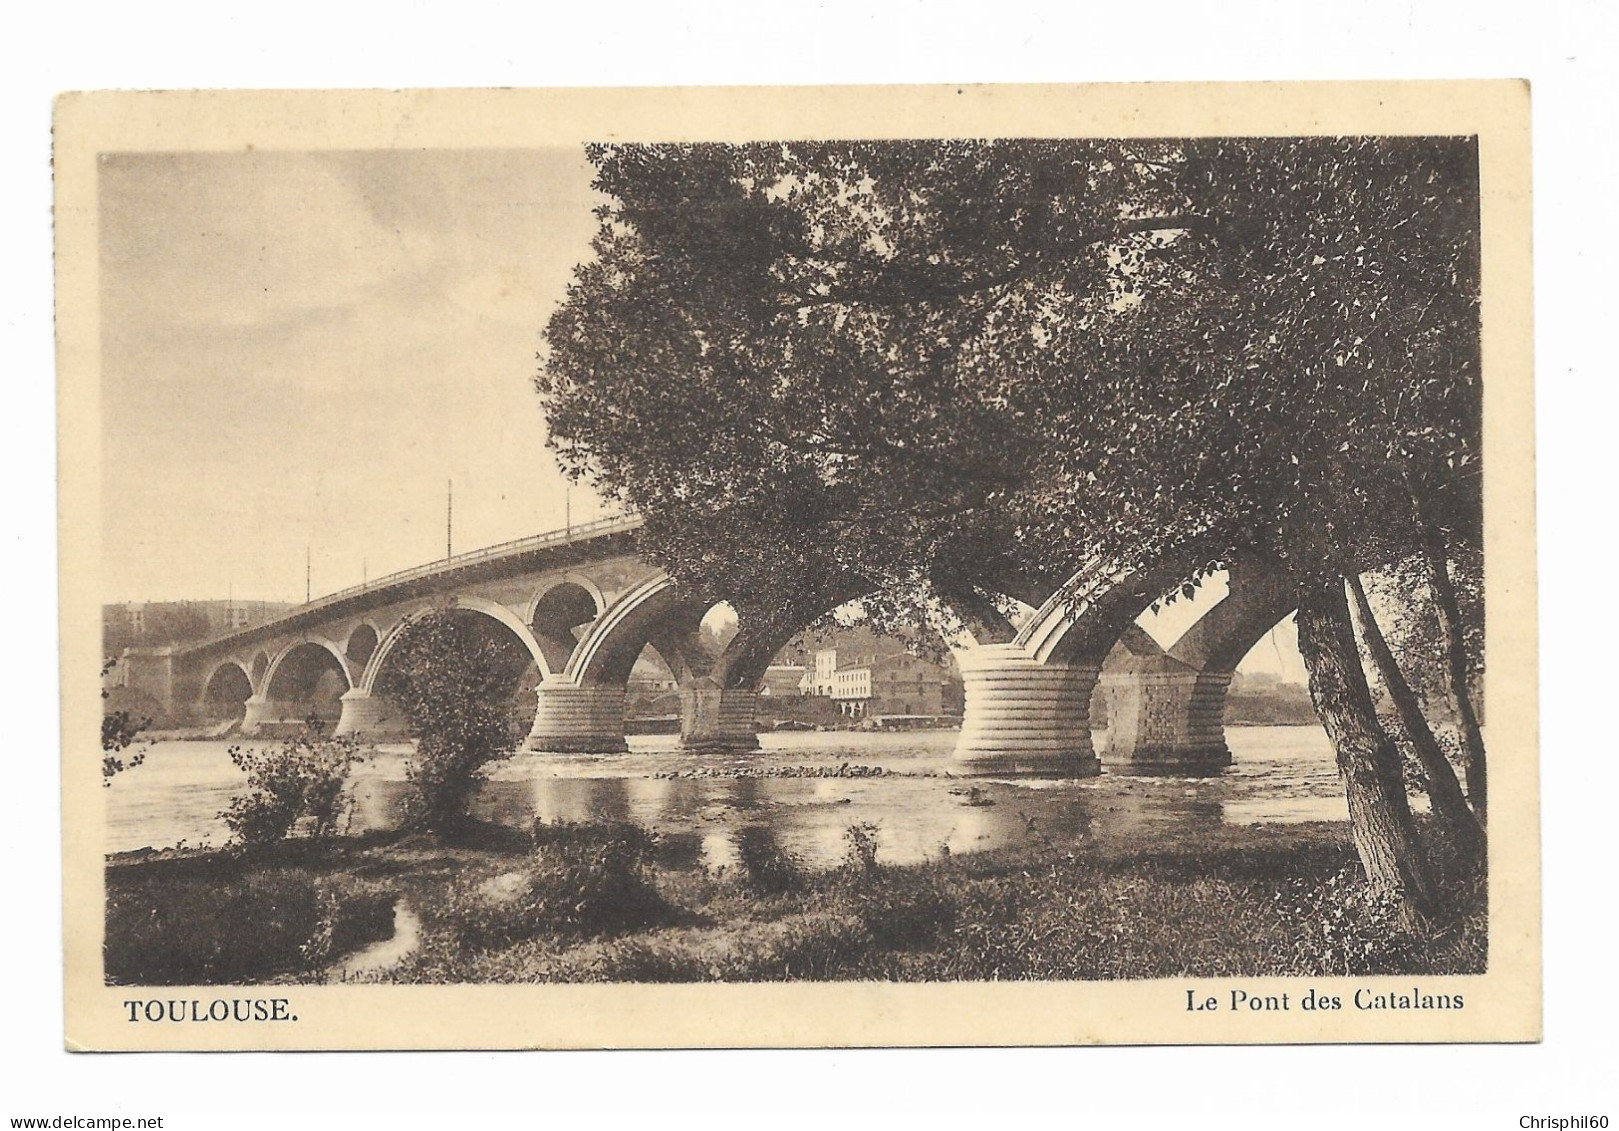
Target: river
x: 697, y: 803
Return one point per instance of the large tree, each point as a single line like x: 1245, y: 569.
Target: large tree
x: 834, y: 367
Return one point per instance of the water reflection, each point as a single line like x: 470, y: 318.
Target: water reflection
x: 721, y: 849
x: 1280, y: 775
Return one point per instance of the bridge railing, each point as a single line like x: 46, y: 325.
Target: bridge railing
x: 581, y: 532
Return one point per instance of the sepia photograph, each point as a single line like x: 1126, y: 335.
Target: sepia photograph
x: 648, y: 549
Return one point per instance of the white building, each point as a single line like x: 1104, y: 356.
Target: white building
x: 823, y: 679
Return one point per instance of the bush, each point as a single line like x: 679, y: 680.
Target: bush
x: 767, y: 868
x: 862, y: 851
x: 169, y: 930
x: 119, y: 729
x: 303, y: 778
x: 455, y: 687
x: 576, y: 888
x: 1343, y: 927
x: 909, y: 909
x: 629, y: 837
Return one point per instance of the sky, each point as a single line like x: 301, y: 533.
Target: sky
x: 301, y: 350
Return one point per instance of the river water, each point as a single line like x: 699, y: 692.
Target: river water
x: 698, y: 804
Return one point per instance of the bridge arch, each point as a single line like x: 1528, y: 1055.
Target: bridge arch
x: 226, y: 690
x: 310, y: 677
x: 582, y: 710
x: 1167, y: 711
x: 1256, y: 602
x: 491, y: 609
x: 306, y: 647
x: 557, y: 609
x: 1083, y: 620
x: 1029, y: 701
x: 654, y: 613
x: 1097, y: 610
x: 390, y: 639
x: 361, y: 644
x: 575, y: 580
x: 651, y: 611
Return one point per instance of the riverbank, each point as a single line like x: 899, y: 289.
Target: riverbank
x: 603, y: 902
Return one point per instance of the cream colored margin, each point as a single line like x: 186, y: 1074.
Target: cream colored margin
x: 1503, y: 1005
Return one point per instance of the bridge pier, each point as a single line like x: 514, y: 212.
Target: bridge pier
x: 1024, y: 717
x: 1166, y: 718
x: 260, y: 711
x: 570, y: 719
x: 715, y: 718
x: 369, y: 716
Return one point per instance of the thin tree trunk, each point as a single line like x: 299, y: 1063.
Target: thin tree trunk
x: 1379, y: 814
x: 1449, y: 803
x: 1449, y: 616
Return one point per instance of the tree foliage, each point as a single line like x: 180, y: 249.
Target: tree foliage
x: 815, y: 362
x: 119, y: 730
x: 454, y: 685
x: 826, y: 369
x: 1406, y: 608
x: 303, y: 778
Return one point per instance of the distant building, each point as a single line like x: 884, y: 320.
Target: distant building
x: 851, y: 687
x: 784, y: 679
x: 152, y: 624
x: 894, y: 684
x: 822, y: 679
x: 650, y: 687
x: 650, y: 679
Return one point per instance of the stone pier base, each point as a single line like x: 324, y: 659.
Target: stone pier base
x: 370, y: 716
x: 259, y: 713
x: 1024, y: 717
x: 1167, y: 719
x: 718, y: 718
x: 570, y: 719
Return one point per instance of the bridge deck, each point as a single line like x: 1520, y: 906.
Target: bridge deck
x: 429, y: 572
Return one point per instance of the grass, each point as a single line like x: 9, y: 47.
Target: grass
x: 593, y: 903
x: 220, y: 919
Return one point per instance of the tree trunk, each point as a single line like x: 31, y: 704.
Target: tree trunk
x: 1449, y: 803
x: 1379, y: 814
x: 1449, y: 616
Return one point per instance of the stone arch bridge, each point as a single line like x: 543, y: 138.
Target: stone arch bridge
x: 577, y: 607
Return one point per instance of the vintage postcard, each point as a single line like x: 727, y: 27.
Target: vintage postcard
x: 798, y: 567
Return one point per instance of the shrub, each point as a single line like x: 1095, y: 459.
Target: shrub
x: 1341, y: 926
x: 767, y: 868
x: 625, y: 835
x: 455, y: 687
x: 305, y: 777
x: 909, y: 909
x: 119, y: 729
x: 210, y: 929
x: 861, y: 855
x: 578, y: 888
